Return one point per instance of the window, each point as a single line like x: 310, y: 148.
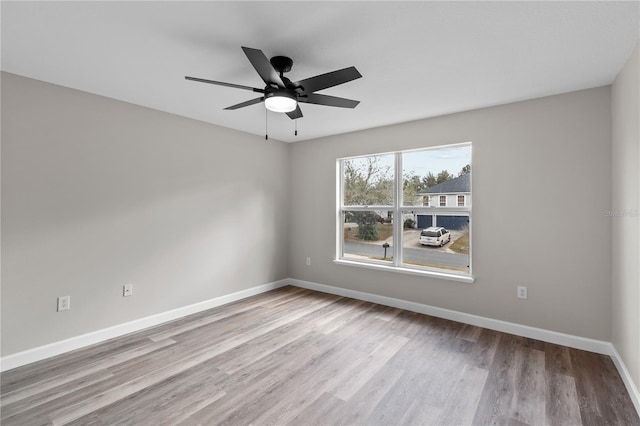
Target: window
x: 386, y: 219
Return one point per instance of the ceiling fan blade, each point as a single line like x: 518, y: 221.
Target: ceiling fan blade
x: 329, y: 79
x: 315, y: 98
x: 263, y: 66
x: 220, y: 83
x: 247, y: 103
x: 296, y: 113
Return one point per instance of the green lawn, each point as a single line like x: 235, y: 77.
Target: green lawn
x: 461, y: 245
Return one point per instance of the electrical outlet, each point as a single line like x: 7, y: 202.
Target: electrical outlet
x: 64, y: 303
x: 522, y: 292
x: 127, y: 290
x: 308, y: 261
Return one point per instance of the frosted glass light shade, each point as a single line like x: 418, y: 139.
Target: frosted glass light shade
x: 280, y: 102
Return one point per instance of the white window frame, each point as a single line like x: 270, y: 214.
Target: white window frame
x: 464, y: 200
x: 440, y: 200
x: 398, y: 208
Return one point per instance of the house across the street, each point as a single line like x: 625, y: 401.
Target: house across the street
x: 446, y: 195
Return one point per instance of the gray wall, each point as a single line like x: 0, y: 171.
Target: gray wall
x: 97, y: 193
x: 626, y: 205
x: 541, y: 181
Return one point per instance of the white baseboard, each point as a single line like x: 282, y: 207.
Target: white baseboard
x: 42, y: 352
x: 577, y: 342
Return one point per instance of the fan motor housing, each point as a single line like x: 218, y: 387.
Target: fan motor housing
x: 281, y: 64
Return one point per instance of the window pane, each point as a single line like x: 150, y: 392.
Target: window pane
x: 433, y: 172
x: 366, y: 233
x: 368, y: 181
x: 435, y: 241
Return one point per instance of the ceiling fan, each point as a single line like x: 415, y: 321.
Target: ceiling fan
x: 283, y: 95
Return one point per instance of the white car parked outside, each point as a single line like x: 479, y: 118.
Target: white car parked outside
x: 435, y: 236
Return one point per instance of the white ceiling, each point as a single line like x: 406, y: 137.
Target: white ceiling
x: 418, y: 59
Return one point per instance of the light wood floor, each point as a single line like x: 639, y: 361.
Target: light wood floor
x: 299, y: 357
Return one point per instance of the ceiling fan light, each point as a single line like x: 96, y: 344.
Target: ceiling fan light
x: 280, y: 102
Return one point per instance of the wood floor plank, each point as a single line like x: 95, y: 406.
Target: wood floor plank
x: 279, y: 364
x: 485, y: 348
x: 558, y: 359
x: 246, y: 389
x: 386, y: 349
x: 420, y: 414
x: 617, y: 396
x: 60, y: 380
x: 600, y: 390
x: 248, y: 353
x: 440, y: 326
x: 300, y: 357
x: 319, y: 412
x: 233, y: 309
x: 68, y: 363
x: 594, y: 408
x: 248, y: 322
x: 361, y: 404
x: 440, y: 372
x: 406, y: 324
x: 498, y: 399
x: 432, y: 363
x: 388, y: 314
x: 73, y: 412
x: 462, y: 403
x: 170, y: 401
x: 328, y: 372
x: 470, y: 333
x: 561, y: 400
x: 49, y: 399
x: 530, y: 400
x: 401, y: 399
x: 341, y: 308
x: 14, y: 409
x: 345, y: 323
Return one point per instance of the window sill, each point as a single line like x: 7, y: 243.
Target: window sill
x: 442, y: 275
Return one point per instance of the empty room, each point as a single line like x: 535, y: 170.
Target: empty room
x: 320, y: 213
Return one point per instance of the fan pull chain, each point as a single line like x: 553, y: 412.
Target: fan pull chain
x: 266, y: 124
x: 296, y: 122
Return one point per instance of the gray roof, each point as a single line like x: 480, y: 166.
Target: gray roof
x: 452, y: 186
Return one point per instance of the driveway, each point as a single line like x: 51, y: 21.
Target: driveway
x: 411, y: 238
